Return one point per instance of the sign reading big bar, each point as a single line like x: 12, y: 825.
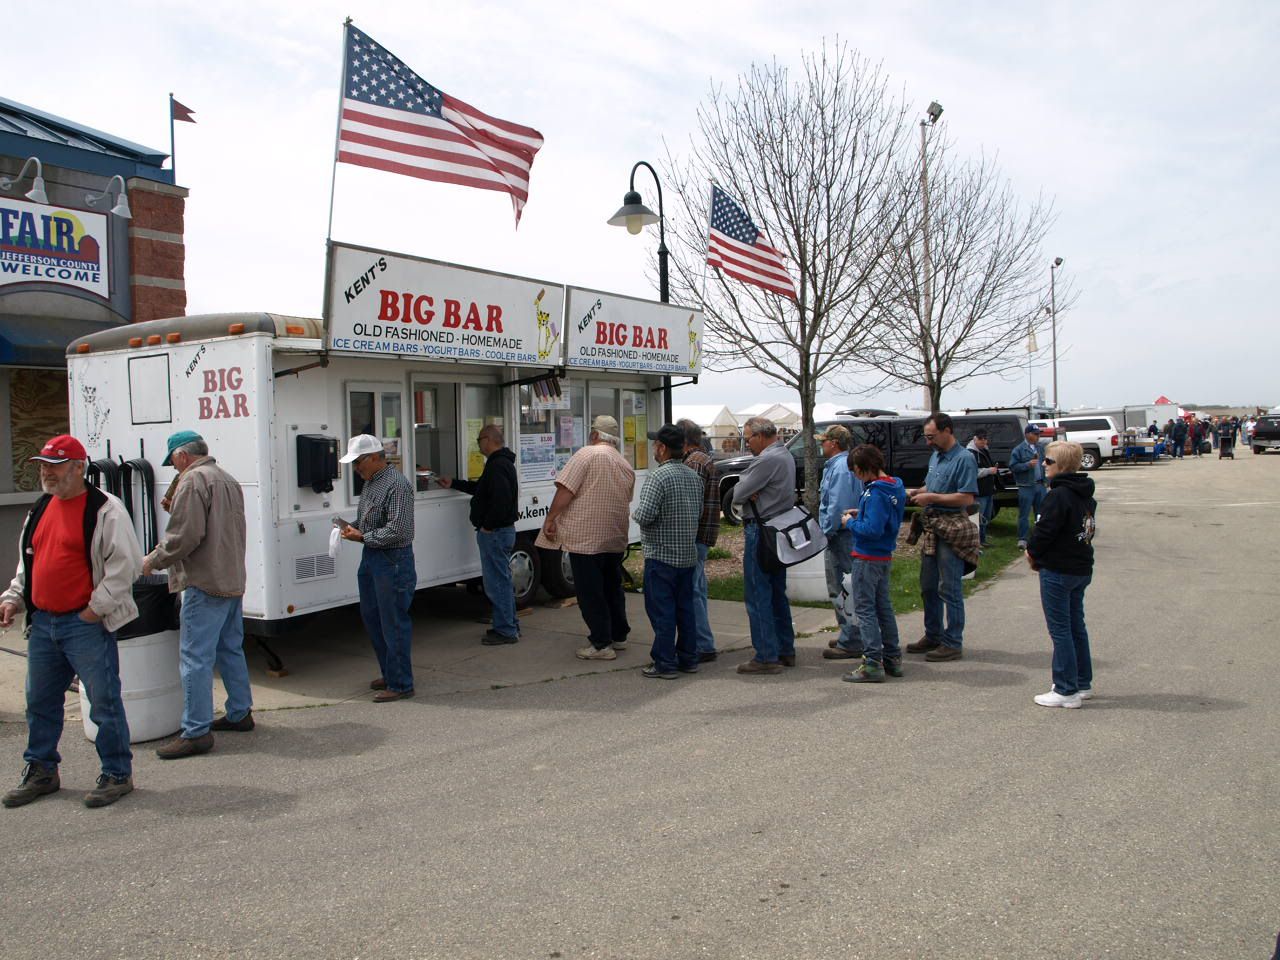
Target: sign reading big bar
x: 621, y: 333
x: 386, y: 304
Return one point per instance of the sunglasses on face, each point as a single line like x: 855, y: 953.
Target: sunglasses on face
x: 1049, y: 461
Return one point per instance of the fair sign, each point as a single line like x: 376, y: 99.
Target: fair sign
x: 621, y: 333
x: 384, y: 304
x: 45, y: 244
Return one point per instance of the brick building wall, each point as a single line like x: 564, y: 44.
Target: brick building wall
x: 157, y: 255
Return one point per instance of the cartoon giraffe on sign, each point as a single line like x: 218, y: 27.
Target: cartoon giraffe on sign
x: 548, y: 330
x: 695, y: 346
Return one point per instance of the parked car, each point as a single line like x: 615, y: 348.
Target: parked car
x: 1097, y: 435
x: 901, y: 439
x: 1266, y: 434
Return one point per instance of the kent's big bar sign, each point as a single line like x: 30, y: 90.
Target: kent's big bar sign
x: 46, y: 244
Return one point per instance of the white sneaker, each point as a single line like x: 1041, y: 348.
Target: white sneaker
x: 1022, y: 544
x: 620, y: 645
x: 1055, y: 699
x: 1086, y: 694
x: 591, y: 653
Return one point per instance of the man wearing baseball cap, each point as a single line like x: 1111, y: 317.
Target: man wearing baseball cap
x: 387, y: 577
x: 78, y: 560
x: 589, y: 520
x: 203, y: 550
x: 1027, y: 463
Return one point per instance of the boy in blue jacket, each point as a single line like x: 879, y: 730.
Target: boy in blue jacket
x: 875, y: 525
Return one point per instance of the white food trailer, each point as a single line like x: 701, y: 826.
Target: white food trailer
x: 421, y: 354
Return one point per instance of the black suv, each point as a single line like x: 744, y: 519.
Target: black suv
x: 906, y: 453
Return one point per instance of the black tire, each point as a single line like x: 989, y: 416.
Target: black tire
x: 1258, y: 449
x: 526, y: 569
x: 557, y: 575
x: 1091, y: 460
x: 732, y: 513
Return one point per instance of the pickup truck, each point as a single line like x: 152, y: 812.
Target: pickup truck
x: 906, y: 453
x: 1266, y: 434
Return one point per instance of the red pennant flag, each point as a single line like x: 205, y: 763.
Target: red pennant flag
x: 179, y: 112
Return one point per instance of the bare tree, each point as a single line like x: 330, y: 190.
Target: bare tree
x: 989, y: 283
x: 814, y: 159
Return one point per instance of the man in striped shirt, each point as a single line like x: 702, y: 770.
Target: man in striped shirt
x: 387, y: 576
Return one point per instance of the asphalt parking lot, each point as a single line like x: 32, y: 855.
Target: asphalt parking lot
x: 540, y: 807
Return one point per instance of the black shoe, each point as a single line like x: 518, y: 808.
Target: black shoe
x: 180, y: 747
x: 108, y: 791
x: 654, y: 672
x: 243, y: 725
x: 787, y: 660
x: 892, y: 668
x: 691, y: 668
x: 36, y: 782
x: 493, y: 638
x: 708, y: 656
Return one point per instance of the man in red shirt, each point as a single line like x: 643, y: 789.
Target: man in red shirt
x: 78, y: 560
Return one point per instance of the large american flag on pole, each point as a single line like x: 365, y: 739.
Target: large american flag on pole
x: 737, y: 246
x: 394, y: 120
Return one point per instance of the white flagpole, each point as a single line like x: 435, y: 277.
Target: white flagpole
x: 342, y: 92
x: 710, y: 202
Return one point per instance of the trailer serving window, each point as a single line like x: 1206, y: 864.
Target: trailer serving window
x: 376, y: 409
x: 552, y: 429
x: 436, y: 443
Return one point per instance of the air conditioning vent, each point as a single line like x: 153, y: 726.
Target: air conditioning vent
x: 316, y: 567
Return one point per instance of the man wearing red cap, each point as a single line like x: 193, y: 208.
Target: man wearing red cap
x: 78, y: 560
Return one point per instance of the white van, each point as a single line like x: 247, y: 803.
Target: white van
x: 418, y: 353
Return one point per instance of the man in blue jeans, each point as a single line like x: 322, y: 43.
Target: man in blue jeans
x: 696, y: 459
x: 494, y: 507
x: 766, y: 488
x: 387, y: 577
x: 950, y: 488
x: 203, y: 551
x: 839, y: 493
x: 79, y: 558
x: 667, y: 514
x: 1027, y: 463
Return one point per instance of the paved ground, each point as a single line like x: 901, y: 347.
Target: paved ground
x: 942, y: 816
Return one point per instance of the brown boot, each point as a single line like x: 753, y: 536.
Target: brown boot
x: 108, y: 791
x: 180, y: 747
x: 388, y: 696
x: 36, y: 782
x: 755, y: 666
x: 923, y: 645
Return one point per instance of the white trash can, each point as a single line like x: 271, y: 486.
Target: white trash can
x: 149, y: 685
x: 807, y: 580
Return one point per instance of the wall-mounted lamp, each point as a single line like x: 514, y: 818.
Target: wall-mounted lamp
x: 36, y: 193
x: 121, y: 209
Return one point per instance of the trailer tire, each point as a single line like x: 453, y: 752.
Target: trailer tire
x: 526, y: 570
x: 732, y: 512
x: 557, y: 574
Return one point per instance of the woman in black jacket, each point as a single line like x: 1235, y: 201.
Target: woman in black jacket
x: 1061, y: 548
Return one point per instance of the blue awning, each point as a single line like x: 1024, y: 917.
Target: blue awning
x: 27, y: 341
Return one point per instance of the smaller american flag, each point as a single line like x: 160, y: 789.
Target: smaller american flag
x: 737, y: 247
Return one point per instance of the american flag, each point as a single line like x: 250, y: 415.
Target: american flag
x: 737, y: 247
x: 394, y: 120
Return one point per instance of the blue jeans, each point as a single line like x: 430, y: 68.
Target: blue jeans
x: 768, y: 611
x: 668, y: 600
x: 212, y: 633
x: 986, y: 510
x: 940, y: 588
x: 1029, y: 500
x: 495, y: 566
x: 701, y: 615
x: 838, y: 563
x: 60, y: 646
x: 387, y: 580
x: 597, y: 579
x: 876, y: 621
x: 1062, y: 597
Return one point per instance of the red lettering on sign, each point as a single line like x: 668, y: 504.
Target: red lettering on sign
x: 389, y: 307
x: 494, y: 322
x: 452, y: 313
x: 206, y: 407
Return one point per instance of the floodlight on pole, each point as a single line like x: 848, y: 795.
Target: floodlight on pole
x: 933, y: 112
x: 121, y: 208
x: 36, y: 194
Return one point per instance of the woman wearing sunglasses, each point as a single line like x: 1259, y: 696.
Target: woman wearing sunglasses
x: 1061, y: 549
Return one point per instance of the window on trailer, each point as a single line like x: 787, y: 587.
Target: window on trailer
x: 376, y: 409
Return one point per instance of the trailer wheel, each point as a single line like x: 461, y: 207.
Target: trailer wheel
x: 732, y: 512
x: 526, y: 569
x: 557, y: 574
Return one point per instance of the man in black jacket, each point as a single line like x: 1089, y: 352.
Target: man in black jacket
x: 493, y: 513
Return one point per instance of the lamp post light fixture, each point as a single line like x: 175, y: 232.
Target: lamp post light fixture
x: 121, y: 209
x: 36, y: 194
x: 635, y: 216
x: 933, y: 113
x: 1053, y: 320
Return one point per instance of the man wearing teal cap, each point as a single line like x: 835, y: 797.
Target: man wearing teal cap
x: 203, y: 551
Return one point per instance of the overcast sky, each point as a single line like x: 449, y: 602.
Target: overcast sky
x: 1152, y: 127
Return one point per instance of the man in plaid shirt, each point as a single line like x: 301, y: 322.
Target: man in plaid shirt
x: 708, y: 530
x: 668, y: 513
x: 387, y: 577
